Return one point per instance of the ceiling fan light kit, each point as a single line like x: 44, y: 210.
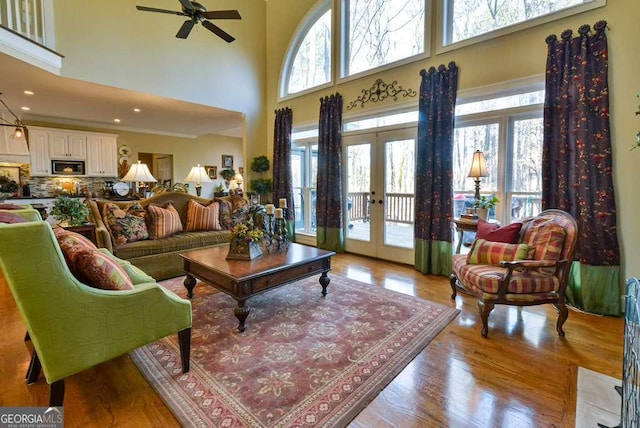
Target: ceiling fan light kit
x: 197, y: 13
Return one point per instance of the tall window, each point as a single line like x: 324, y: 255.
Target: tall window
x: 380, y: 32
x: 311, y: 64
x: 304, y: 170
x: 464, y: 19
x: 508, y: 130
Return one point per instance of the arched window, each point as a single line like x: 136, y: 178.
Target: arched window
x: 310, y: 66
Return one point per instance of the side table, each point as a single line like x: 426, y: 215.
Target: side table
x: 464, y: 225
x: 86, y: 230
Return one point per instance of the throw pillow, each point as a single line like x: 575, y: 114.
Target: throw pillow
x: 485, y: 252
x: 164, y: 220
x: 200, y: 217
x: 225, y: 213
x: 100, y: 271
x: 125, y: 225
x: 11, y: 218
x: 72, y: 245
x: 495, y: 233
x: 547, y: 237
x: 74, y: 238
x: 10, y: 207
x: 137, y: 275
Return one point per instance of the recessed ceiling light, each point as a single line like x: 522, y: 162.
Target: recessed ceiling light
x: 25, y: 108
x: 137, y: 110
x: 28, y: 92
x: 116, y: 120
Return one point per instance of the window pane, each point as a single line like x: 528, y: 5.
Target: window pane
x: 381, y: 121
x: 312, y: 63
x: 468, y: 139
x: 492, y: 104
x: 383, y: 31
x: 526, y: 175
x: 471, y: 18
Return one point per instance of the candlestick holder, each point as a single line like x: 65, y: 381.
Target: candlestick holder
x: 276, y: 238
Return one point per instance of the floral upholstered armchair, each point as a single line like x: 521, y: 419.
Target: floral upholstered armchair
x: 532, y: 271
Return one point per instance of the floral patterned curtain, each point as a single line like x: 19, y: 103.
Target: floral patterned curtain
x: 282, y: 181
x: 330, y: 234
x: 434, y: 181
x: 577, y: 167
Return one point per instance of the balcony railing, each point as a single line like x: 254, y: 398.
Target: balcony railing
x: 25, y: 17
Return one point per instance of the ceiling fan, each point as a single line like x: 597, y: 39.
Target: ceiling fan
x: 198, y: 13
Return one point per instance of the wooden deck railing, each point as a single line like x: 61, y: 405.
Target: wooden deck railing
x: 400, y: 207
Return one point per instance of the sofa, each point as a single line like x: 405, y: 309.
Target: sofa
x: 158, y: 256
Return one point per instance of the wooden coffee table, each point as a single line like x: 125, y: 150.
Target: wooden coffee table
x: 242, y: 279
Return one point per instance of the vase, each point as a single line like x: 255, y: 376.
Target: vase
x: 482, y: 213
x: 243, y: 250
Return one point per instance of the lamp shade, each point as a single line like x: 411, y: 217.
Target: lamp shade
x: 139, y: 172
x: 198, y: 175
x: 239, y: 178
x: 478, y: 165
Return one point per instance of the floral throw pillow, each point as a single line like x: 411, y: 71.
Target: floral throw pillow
x: 225, y: 213
x: 125, y: 225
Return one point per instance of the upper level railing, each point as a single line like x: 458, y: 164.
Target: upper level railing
x: 25, y: 17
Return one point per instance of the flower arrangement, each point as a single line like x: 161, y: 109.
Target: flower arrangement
x: 74, y: 211
x: 8, y: 187
x: 246, y: 233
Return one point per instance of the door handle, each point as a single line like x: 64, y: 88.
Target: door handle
x: 372, y: 201
x: 380, y: 201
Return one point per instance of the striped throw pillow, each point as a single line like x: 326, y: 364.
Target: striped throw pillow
x: 547, y: 237
x: 164, y: 220
x: 485, y: 252
x: 200, y: 217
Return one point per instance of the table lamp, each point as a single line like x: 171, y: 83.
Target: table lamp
x: 198, y: 175
x: 478, y: 170
x: 139, y: 172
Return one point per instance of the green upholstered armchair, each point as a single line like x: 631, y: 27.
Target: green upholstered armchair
x: 73, y: 326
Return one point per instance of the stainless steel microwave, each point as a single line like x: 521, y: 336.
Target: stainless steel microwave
x: 67, y: 167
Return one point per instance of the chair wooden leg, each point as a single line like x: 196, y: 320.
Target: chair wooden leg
x: 33, y: 372
x: 452, y: 281
x: 56, y: 393
x: 184, y: 339
x: 485, y: 309
x: 563, y: 314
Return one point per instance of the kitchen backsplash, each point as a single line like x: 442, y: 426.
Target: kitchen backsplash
x: 46, y: 187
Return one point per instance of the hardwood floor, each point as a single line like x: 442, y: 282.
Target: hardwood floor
x: 522, y: 375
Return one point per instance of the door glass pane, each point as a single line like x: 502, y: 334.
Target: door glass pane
x: 358, y: 191
x: 399, y: 193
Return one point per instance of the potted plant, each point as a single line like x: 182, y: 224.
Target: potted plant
x: 484, y: 204
x: 227, y: 174
x: 260, y: 186
x: 70, y: 210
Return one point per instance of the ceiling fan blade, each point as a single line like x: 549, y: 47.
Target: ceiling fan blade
x: 153, y: 9
x: 218, y: 31
x: 186, y: 4
x: 184, y: 31
x: 222, y: 14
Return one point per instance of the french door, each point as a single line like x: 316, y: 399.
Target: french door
x: 379, y: 194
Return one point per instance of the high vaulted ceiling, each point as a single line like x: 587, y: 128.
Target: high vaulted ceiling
x: 74, y: 102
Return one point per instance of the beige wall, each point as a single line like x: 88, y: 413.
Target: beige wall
x: 509, y: 57
x: 111, y: 43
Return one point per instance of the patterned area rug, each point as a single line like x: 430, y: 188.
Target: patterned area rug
x: 304, y: 359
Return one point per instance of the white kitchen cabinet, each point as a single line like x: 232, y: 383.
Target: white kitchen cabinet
x: 39, y: 148
x: 102, y: 156
x: 98, y: 150
x: 63, y: 145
